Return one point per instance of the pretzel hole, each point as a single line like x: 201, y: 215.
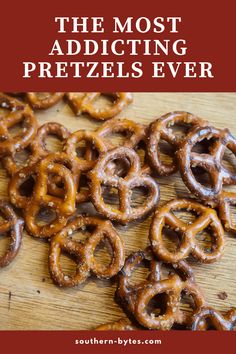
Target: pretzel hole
x: 171, y: 239
x: 205, y: 239
x: 209, y: 324
x: 104, y: 253
x: 27, y: 187
x: 187, y: 304
x: 157, y: 306
x: 229, y: 161
x: 104, y: 101
x: 140, y: 273
x: 166, y: 152
x: 5, y: 242
x: 16, y: 130
x: 118, y: 167
x: 139, y: 196
x: 83, y: 183
x: 111, y: 196
x: 83, y: 233
x: 202, y: 176
x: 45, y: 216
x: 180, y: 129
x: 187, y: 216
x: 204, y: 146
x: 86, y: 150
x: 141, y: 153
x: 22, y: 157
x: 53, y: 143
x: 68, y: 264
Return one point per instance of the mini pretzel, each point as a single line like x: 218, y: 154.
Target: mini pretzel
x: 211, y: 162
x: 84, y: 253
x: 159, y: 130
x: 93, y: 142
x: 172, y: 288
x: 127, y: 293
x: 134, y: 178
x: 43, y: 100
x: 13, y: 225
x: 120, y: 325
x: 83, y: 102
x: 227, y: 199
x: 38, y: 146
x: 165, y: 216
x: 220, y: 322
x: 19, y: 113
x: 136, y: 135
x: 62, y: 206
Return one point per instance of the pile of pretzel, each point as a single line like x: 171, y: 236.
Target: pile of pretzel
x: 90, y: 165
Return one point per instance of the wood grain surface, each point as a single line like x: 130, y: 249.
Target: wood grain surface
x: 29, y: 299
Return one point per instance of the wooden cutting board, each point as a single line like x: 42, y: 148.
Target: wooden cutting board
x: 28, y: 298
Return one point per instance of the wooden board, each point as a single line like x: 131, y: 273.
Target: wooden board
x: 28, y: 298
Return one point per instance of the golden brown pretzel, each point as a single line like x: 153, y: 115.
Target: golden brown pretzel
x: 84, y: 253
x: 207, y: 217
x: 43, y: 100
x: 63, y: 207
x: 13, y: 226
x: 92, y: 143
x: 172, y: 288
x: 19, y: 113
x: 218, y: 321
x: 83, y: 102
x: 126, y: 293
x: 227, y: 199
x: 160, y: 129
x: 211, y: 162
x: 134, y: 178
x: 122, y: 324
x: 135, y: 136
x: 93, y: 146
x: 38, y: 146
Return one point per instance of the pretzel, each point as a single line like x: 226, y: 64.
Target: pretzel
x: 19, y: 113
x: 127, y: 294
x: 38, y: 146
x: 159, y: 130
x: 120, y: 325
x: 172, y: 287
x: 227, y: 199
x: 83, y: 102
x: 63, y: 207
x: 220, y: 322
x: 207, y: 217
x: 134, y: 178
x: 93, y: 142
x: 135, y: 135
x: 43, y: 100
x: 12, y: 225
x: 83, y: 253
x: 211, y: 162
